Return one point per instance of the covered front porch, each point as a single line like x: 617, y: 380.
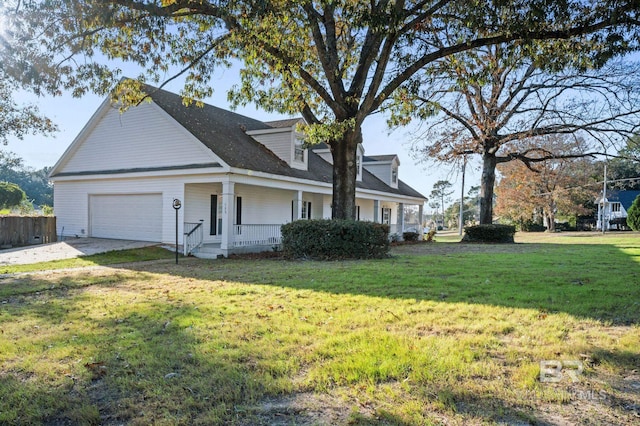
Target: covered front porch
x: 221, y: 218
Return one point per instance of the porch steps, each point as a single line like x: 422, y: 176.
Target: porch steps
x: 207, y: 251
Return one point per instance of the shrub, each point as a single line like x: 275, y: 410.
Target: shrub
x: 11, y: 195
x: 335, y: 239
x: 530, y: 226
x: 46, y: 210
x: 430, y: 237
x: 489, y: 234
x: 619, y: 223
x: 633, y: 215
x: 410, y: 236
x: 565, y: 226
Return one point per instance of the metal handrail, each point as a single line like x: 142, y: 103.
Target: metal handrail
x: 188, y: 234
x: 191, y: 241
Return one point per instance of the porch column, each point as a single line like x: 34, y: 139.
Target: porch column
x: 376, y: 211
x: 297, y: 206
x: 420, y: 219
x: 228, y: 194
x: 401, y: 217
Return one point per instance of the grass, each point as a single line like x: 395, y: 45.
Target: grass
x: 108, y: 258
x: 439, y: 333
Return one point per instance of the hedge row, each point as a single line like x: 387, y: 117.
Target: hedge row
x: 530, y: 226
x: 325, y: 239
x: 489, y: 234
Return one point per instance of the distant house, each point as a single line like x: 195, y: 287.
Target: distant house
x: 612, y: 211
x: 238, y: 179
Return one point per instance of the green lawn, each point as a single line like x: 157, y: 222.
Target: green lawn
x: 439, y: 333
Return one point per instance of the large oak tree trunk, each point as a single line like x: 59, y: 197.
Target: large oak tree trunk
x: 487, y: 183
x: 550, y: 217
x: 344, y: 175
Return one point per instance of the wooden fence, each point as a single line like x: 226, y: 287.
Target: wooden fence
x: 27, y: 230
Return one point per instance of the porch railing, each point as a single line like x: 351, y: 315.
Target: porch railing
x: 256, y: 235
x: 193, y: 237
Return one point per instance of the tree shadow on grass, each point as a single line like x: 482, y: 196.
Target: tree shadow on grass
x: 87, y: 357
x: 146, y: 363
x: 585, y: 281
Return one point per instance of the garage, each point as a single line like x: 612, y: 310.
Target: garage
x: 127, y: 217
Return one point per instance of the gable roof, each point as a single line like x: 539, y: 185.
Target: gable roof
x: 225, y: 134
x: 625, y: 198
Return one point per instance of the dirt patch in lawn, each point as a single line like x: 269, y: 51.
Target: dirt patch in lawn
x: 304, y: 409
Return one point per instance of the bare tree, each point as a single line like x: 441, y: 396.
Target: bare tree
x: 486, y: 101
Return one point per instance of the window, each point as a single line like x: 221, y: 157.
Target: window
x: 394, y: 175
x: 215, y: 222
x: 238, y: 210
x: 358, y: 167
x: 306, y: 209
x: 615, y: 207
x: 298, y: 154
x: 386, y: 215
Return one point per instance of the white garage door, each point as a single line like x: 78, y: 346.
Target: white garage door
x: 127, y: 217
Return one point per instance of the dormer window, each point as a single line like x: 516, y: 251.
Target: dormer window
x: 298, y: 154
x: 394, y: 175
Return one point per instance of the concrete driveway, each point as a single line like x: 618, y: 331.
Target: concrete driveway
x: 69, y: 248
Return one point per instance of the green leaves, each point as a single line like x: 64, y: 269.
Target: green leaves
x: 11, y: 195
x: 18, y: 120
x: 633, y: 215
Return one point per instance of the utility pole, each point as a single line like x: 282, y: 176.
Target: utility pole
x: 461, y: 220
x: 604, y: 200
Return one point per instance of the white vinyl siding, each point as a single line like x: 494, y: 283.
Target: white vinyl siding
x: 366, y: 209
x: 126, y: 217
x: 383, y: 170
x: 380, y: 170
x: 326, y: 207
x: 264, y: 205
x: 279, y: 143
x: 317, y: 209
x: 142, y: 137
x: 71, y: 202
x: 198, y: 206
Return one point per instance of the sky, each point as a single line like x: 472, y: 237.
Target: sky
x: 71, y: 114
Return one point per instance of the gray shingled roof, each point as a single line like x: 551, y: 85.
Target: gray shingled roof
x: 224, y: 133
x: 372, y: 158
x: 281, y: 124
